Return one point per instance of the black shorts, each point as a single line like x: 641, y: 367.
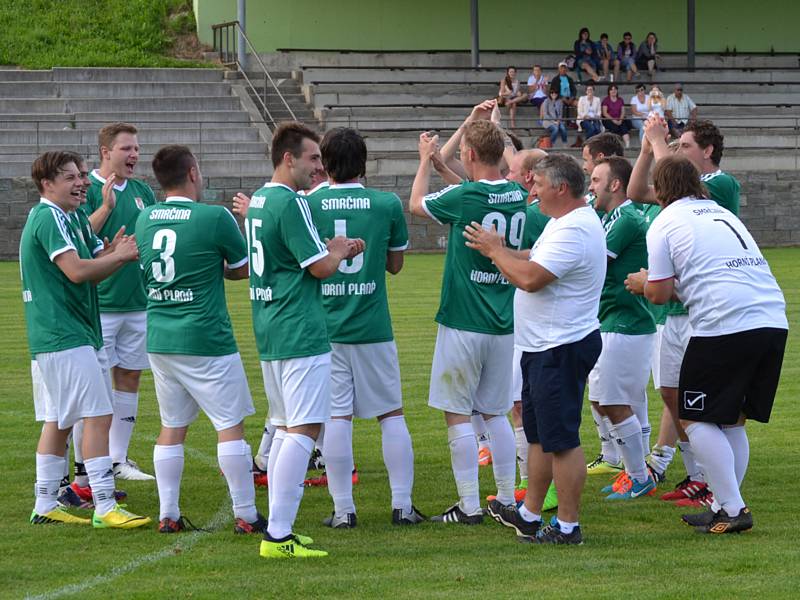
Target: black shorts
x: 727, y: 375
x: 553, y: 382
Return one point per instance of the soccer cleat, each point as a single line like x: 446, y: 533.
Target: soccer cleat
x: 346, y: 521
x: 118, y: 518
x: 57, y: 515
x: 699, y: 519
x: 621, y: 483
x: 723, y: 523
x: 85, y: 493
x: 657, y: 476
x: 315, y: 461
x: 454, y: 514
x: 130, y: 470
x: 509, y: 516
x: 401, y: 517
x: 550, y: 499
x: 494, y: 507
x: 636, y: 490
x: 257, y: 526
x: 169, y: 526
x: 289, y: 547
x: 685, y: 489
x: 702, y: 498
x: 484, y: 457
x: 322, y: 480
x: 552, y: 534
x: 600, y: 466
x: 69, y: 499
x: 260, y: 478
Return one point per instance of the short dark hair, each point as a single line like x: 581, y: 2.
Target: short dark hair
x: 344, y: 154
x: 627, y: 34
x: 288, y: 137
x: 619, y: 168
x: 515, y: 141
x: 486, y: 139
x: 612, y: 86
x: 78, y: 159
x: 707, y: 134
x: 675, y: 177
x: 610, y: 144
x: 603, y: 35
x: 171, y: 165
x: 561, y: 168
x: 49, y: 165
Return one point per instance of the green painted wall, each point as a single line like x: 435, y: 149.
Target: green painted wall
x: 516, y: 25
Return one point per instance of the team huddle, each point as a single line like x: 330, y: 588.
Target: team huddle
x: 544, y: 289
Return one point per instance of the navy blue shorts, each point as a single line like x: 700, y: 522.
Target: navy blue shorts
x: 553, y: 382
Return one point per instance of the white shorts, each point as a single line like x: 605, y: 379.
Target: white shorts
x: 125, y: 339
x: 516, y: 376
x: 365, y: 380
x: 216, y: 384
x: 70, y: 385
x: 621, y: 374
x: 655, y: 362
x: 471, y: 371
x: 677, y: 331
x: 298, y: 390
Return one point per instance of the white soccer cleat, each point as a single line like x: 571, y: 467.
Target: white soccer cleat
x: 130, y: 470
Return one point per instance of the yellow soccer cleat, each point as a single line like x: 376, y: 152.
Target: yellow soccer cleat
x: 289, y: 547
x: 57, y: 515
x: 601, y: 467
x: 118, y: 518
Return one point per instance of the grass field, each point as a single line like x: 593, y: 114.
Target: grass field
x: 633, y: 550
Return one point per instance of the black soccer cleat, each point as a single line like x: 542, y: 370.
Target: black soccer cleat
x: 454, y: 514
x: 509, y: 516
x: 346, y: 521
x: 401, y: 517
x: 723, y: 523
x: 699, y: 519
x: 258, y: 526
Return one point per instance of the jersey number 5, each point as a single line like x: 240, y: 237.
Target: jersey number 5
x: 164, y: 241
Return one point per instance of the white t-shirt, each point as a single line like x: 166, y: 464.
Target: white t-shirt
x: 721, y: 276
x: 640, y: 106
x: 573, y: 248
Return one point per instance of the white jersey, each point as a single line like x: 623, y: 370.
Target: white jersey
x: 721, y: 276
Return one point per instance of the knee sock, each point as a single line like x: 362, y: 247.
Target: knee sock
x: 661, y: 457
x: 168, y: 465
x: 464, y: 459
x: 398, y: 456
x: 126, y: 405
x: 604, y: 429
x: 501, y: 438
x: 737, y: 438
x: 262, y: 456
x: 235, y: 461
x: 521, y: 443
x: 714, y: 452
x: 277, y: 442
x: 49, y: 470
x: 629, y: 439
x: 338, y: 452
x: 481, y: 433
x: 640, y: 410
x: 687, y: 456
x: 286, y: 483
x: 81, y: 478
x: 101, y: 478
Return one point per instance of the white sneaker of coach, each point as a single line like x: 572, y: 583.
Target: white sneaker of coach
x: 130, y: 470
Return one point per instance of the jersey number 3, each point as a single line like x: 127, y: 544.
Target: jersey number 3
x: 164, y: 241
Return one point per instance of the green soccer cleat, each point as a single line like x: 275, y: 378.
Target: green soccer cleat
x: 57, y: 515
x: 551, y: 499
x: 288, y: 547
x: 118, y: 518
x: 599, y: 466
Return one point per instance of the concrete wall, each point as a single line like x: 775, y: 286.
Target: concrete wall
x: 513, y: 25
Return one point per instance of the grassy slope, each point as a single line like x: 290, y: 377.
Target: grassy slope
x: 639, y: 549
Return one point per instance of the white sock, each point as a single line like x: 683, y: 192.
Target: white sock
x: 737, y: 438
x: 101, y: 478
x: 504, y: 457
x: 714, y: 452
x: 521, y: 443
x: 262, y: 456
x: 338, y: 453
x: 49, y: 469
x: 481, y: 433
x: 629, y: 439
x: 320, y: 441
x: 527, y: 515
x: 277, y: 442
x: 566, y: 527
x: 398, y: 456
x: 286, y: 483
x: 607, y: 446
x: 640, y: 410
x: 77, y: 448
x: 235, y: 460
x: 464, y: 459
x: 687, y: 456
x: 168, y: 465
x: 126, y: 405
x: 661, y: 457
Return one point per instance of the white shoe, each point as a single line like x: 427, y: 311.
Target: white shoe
x: 130, y: 470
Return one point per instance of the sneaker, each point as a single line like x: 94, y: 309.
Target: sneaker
x: 85, y: 493
x: 315, y: 461
x: 288, y: 547
x: 118, y: 518
x: 636, y: 490
x: 509, y: 516
x: 723, y: 523
x: 130, y: 470
x: 621, y: 483
x: 599, y: 466
x: 69, y: 499
x: 550, y: 499
x: 484, y: 457
x: 454, y: 514
x: 552, y: 534
x: 401, y: 517
x: 167, y: 525
x: 57, y: 515
x: 257, y: 526
x: 346, y: 521
x: 684, y: 489
x: 698, y: 519
x: 702, y: 498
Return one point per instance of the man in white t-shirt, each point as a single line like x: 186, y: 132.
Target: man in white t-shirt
x: 702, y: 253
x: 680, y: 110
x: 555, y: 324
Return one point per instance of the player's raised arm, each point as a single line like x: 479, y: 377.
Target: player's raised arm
x: 422, y: 181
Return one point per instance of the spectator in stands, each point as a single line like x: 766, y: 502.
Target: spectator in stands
x: 589, y: 112
x: 605, y: 55
x: 614, y: 120
x: 567, y: 91
x: 680, y: 111
x: 626, y: 57
x: 538, y: 85
x: 655, y: 102
x: 647, y: 54
x: 552, y: 113
x: 585, y: 56
x: 639, y: 109
x: 510, y: 95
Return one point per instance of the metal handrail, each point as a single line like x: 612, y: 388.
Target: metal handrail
x: 225, y: 57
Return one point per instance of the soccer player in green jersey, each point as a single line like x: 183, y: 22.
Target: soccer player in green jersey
x: 618, y: 381
x: 115, y: 199
x: 65, y: 339
x: 365, y: 372
x: 287, y: 262
x: 474, y: 346
x: 594, y: 149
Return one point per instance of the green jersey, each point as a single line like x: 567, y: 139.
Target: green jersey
x: 723, y: 189
x: 535, y: 222
x: 124, y: 290
x: 621, y: 311
x: 183, y: 248
x: 59, y: 314
x: 475, y: 295
x: 650, y: 212
x: 354, y: 298
x: 591, y: 200
x: 288, y: 317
